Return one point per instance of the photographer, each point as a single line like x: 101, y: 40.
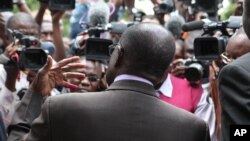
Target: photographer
x: 56, y: 15
x: 10, y: 79
x: 190, y: 96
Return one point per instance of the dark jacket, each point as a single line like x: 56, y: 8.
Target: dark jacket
x: 126, y: 111
x: 234, y: 88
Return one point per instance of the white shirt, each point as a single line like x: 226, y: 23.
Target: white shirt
x: 8, y: 99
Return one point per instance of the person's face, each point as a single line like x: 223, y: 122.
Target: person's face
x: 27, y: 29
x: 92, y: 81
x: 46, y: 32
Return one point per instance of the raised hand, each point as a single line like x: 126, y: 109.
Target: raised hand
x: 51, y: 76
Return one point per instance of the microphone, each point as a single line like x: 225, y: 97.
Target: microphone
x: 48, y: 47
x: 98, y: 14
x: 195, y: 25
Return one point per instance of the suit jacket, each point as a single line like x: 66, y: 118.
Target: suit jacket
x: 234, y: 88
x: 127, y: 111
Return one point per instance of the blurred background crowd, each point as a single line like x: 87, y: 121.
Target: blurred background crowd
x: 208, y: 35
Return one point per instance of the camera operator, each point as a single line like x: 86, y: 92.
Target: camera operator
x: 190, y: 96
x: 13, y: 80
x: 56, y: 15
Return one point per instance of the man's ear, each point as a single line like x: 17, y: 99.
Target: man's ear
x: 119, y: 58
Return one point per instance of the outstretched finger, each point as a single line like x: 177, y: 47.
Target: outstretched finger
x: 70, y: 86
x: 73, y: 66
x: 74, y: 75
x: 66, y: 61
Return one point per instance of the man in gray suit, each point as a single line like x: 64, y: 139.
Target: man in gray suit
x: 234, y: 83
x: 128, y: 110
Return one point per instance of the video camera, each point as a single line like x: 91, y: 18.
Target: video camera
x: 31, y: 56
x: 96, y: 47
x: 60, y: 4
x: 6, y: 5
x: 195, y: 70
x: 208, y: 48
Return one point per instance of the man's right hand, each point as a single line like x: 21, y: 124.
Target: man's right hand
x: 177, y: 68
x: 51, y: 76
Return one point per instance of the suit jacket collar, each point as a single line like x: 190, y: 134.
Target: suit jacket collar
x: 133, y: 85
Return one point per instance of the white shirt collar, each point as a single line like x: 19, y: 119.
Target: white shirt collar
x: 132, y: 77
x: 167, y: 88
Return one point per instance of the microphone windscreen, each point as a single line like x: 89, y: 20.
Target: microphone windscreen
x: 98, y: 14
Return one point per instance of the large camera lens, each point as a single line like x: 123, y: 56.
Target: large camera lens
x: 194, y: 72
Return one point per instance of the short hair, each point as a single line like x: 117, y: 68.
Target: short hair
x: 23, y: 18
x: 149, y: 49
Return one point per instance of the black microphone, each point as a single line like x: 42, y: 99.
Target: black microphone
x: 195, y: 25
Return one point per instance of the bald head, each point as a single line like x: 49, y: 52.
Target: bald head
x: 238, y: 45
x: 148, y: 50
x: 24, y: 23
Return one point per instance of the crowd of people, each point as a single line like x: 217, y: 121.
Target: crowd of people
x: 112, y: 79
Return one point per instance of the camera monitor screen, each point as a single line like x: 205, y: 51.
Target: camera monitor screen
x: 62, y: 4
x: 97, y: 49
x: 6, y: 5
x: 207, y: 48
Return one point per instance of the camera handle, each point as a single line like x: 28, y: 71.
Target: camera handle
x: 210, y: 28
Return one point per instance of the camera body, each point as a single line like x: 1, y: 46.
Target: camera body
x: 31, y: 55
x: 195, y: 69
x: 209, y: 48
x: 95, y: 48
x: 6, y: 5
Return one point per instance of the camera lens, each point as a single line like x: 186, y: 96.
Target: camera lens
x: 194, y: 72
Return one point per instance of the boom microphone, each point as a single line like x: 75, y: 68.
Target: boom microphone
x: 195, y: 25
x: 98, y: 14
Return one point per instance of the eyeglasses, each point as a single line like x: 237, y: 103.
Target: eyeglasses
x: 112, y: 48
x: 225, y: 58
x: 93, y: 78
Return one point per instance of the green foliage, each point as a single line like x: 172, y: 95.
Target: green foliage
x: 66, y: 26
x: 228, y: 12
x: 33, y: 4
